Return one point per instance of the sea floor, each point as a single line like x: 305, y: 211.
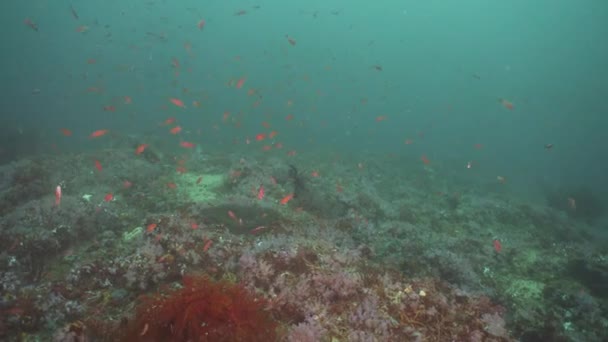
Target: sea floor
x: 314, y: 247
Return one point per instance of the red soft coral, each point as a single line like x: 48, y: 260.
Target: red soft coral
x: 203, y: 310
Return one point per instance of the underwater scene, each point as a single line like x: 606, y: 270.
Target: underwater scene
x: 302, y: 171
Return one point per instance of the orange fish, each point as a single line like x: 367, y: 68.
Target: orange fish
x: 98, y: 133
x: 286, y: 199
x: 175, y: 130
x: 381, y: 118
x: 425, y: 160
x: 177, y: 102
x: 151, y: 227
x: 507, y: 104
x: 201, y: 24
x: 186, y: 144
x: 169, y: 121
x: 260, y: 137
x: 108, y: 197
x: 272, y: 134
x: 98, y: 165
x: 207, y: 245
x: 240, y: 83
x: 257, y: 230
x: 141, y: 148
x: 66, y: 132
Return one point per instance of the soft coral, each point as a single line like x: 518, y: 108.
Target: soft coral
x: 203, y: 310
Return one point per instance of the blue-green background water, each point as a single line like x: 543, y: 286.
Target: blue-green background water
x: 445, y: 65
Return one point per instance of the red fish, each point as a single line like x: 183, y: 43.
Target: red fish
x: 507, y: 104
x: 260, y: 137
x: 186, y: 144
x: 109, y: 108
x: 261, y: 192
x: 66, y: 132
x: 108, y: 197
x: 126, y: 184
x: 207, y: 245
x: 175, y: 130
x: 141, y: 148
x: 232, y: 215
x: 425, y: 160
x: 240, y: 83
x: 497, y: 246
x: 151, y: 227
x: 286, y: 199
x: 98, y: 133
x: 201, y: 24
x: 169, y: 121
x: 58, y: 195
x: 98, y: 166
x: 257, y: 230
x: 177, y: 102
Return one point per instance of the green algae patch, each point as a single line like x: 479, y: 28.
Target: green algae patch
x: 207, y: 190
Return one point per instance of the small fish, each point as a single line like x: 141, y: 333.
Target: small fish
x: 199, y: 179
x: 128, y: 100
x: 175, y: 130
x: 207, y: 245
x: 257, y: 230
x: 66, y: 132
x: 126, y: 184
x: 141, y: 148
x: 260, y: 137
x: 186, y: 144
x: 108, y: 197
x: 286, y: 199
x: 548, y: 146
x: 425, y: 160
x: 381, y: 118
x: 74, y: 14
x: 58, y: 195
x: 261, y: 192
x: 177, y: 102
x: 501, y: 179
x: 201, y: 24
x: 507, y: 104
x: 171, y: 185
x: 290, y: 40
x: 497, y: 246
x: 98, y: 166
x: 240, y: 83
x: 98, y: 133
x: 151, y: 227
x: 272, y: 134
x: 572, y: 203
x: 314, y: 174
x: 469, y: 165
x: 194, y: 225
x: 31, y: 24
x: 232, y: 215
x: 109, y: 108
x: 169, y: 121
